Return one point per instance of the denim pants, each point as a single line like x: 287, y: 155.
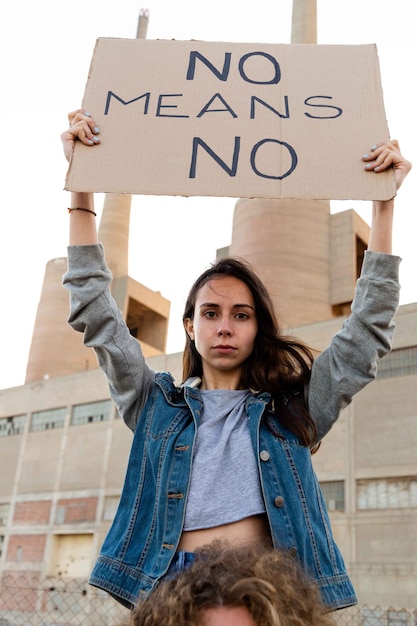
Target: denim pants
x: 181, y: 561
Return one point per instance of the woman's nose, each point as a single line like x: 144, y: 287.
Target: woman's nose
x: 224, y: 327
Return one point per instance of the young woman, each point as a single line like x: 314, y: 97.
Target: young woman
x: 227, y: 454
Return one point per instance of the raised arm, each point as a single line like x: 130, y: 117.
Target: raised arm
x: 83, y: 229
x: 381, y: 157
x: 350, y: 361
x: 93, y: 309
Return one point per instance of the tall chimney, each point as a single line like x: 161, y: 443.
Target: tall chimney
x: 304, y: 21
x: 55, y: 349
x: 114, y: 224
x: 287, y: 241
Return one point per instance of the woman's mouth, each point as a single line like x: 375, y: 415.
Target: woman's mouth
x: 224, y: 349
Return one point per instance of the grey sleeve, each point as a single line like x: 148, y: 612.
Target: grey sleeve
x: 94, y: 312
x: 350, y: 361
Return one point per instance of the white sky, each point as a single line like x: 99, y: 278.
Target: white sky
x: 46, y: 48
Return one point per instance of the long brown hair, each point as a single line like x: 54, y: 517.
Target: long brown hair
x: 279, y: 364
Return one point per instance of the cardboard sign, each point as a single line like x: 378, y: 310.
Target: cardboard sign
x: 253, y: 120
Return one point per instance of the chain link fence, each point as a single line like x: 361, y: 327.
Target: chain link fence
x: 28, y: 600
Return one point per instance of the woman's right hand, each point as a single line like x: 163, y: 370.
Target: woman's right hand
x: 82, y: 127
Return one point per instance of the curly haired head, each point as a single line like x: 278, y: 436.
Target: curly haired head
x: 268, y: 583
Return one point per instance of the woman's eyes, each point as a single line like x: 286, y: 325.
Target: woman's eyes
x: 241, y: 315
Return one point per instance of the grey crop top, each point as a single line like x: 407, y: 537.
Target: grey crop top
x: 225, y: 485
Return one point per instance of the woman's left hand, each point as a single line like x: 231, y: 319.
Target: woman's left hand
x: 385, y: 155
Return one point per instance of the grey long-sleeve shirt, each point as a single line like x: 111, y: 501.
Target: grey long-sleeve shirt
x: 338, y: 373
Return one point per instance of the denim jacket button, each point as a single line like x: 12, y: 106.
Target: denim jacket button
x: 264, y: 454
x: 292, y: 551
x: 279, y: 501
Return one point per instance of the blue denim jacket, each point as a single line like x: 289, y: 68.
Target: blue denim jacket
x: 143, y: 538
x: 164, y: 417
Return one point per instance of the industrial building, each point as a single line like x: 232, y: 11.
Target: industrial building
x: 64, y: 449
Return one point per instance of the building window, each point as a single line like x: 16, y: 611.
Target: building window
x: 334, y: 494
x: 1, y: 544
x: 401, y: 362
x: 48, y: 420
x: 76, y: 510
x: 387, y: 493
x: 91, y: 412
x: 4, y: 513
x: 110, y: 507
x: 13, y: 425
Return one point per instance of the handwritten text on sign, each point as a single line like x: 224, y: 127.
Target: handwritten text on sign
x: 241, y: 120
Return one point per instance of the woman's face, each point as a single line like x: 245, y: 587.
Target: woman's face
x: 223, y: 329
x: 228, y: 616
